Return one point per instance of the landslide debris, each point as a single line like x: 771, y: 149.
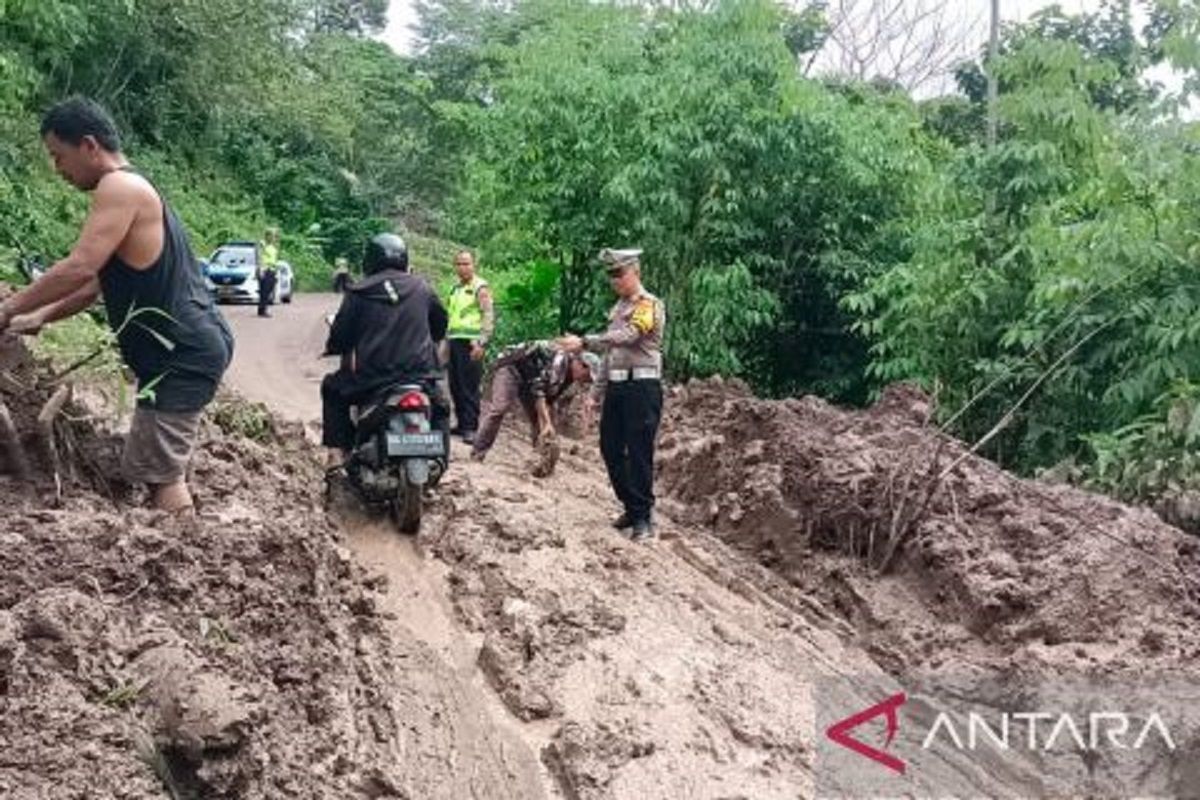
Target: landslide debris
x: 977, y: 569
x: 239, y: 654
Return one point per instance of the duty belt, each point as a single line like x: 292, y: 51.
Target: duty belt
x: 635, y: 374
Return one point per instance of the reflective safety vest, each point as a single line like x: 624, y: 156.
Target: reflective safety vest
x: 466, y: 316
x: 270, y: 257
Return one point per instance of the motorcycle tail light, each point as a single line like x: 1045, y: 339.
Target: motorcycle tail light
x: 411, y: 401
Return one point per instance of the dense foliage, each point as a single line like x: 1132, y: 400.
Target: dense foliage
x: 245, y: 113
x: 822, y: 236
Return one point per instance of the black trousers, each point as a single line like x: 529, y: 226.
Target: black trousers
x: 465, y: 378
x: 266, y: 291
x: 340, y: 391
x: 628, y: 426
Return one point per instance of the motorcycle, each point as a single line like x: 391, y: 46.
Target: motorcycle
x: 398, y: 453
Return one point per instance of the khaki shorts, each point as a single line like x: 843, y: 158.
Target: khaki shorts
x: 159, y: 446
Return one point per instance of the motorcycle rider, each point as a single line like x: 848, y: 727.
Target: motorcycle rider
x: 385, y: 331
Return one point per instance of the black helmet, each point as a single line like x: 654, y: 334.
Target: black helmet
x: 385, y: 251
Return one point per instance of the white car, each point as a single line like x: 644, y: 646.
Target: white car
x: 230, y: 274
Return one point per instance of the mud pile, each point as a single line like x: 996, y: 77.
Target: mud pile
x: 972, y: 567
x: 238, y: 654
x: 65, y: 447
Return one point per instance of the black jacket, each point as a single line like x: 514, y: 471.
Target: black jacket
x: 386, y: 328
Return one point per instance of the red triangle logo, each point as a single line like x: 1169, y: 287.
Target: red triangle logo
x: 840, y: 731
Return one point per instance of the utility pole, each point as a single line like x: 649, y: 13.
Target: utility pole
x: 993, y: 90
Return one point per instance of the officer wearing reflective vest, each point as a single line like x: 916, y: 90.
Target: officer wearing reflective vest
x: 471, y: 325
x: 268, y: 266
x: 630, y: 379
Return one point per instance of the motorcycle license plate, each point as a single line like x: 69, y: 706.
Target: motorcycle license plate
x: 429, y: 444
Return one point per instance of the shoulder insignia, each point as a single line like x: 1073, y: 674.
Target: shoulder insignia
x: 643, y: 315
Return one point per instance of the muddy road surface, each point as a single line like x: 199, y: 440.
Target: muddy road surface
x: 693, y: 666
x: 607, y: 668
x: 568, y: 662
x: 807, y: 570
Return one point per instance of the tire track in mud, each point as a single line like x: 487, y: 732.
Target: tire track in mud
x: 417, y: 602
x: 277, y: 362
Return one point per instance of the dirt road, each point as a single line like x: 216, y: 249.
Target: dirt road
x: 519, y: 648
x: 603, y: 668
x: 696, y: 666
x: 278, y: 362
x: 277, y: 359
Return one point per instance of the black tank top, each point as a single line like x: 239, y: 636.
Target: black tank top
x: 168, y: 327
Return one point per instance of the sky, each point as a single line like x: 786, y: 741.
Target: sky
x: 401, y: 15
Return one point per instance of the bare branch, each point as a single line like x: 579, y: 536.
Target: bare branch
x: 913, y: 43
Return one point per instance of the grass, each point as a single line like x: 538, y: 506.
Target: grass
x: 433, y: 258
x: 74, y: 339
x: 122, y: 696
x: 218, y: 631
x: 236, y: 417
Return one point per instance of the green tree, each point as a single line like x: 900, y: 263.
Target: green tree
x: 359, y: 17
x: 757, y: 195
x: 1105, y: 36
x: 1079, y: 280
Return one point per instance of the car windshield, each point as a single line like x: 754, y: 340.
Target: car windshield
x: 233, y: 257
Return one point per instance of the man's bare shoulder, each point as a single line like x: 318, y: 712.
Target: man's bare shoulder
x: 121, y: 187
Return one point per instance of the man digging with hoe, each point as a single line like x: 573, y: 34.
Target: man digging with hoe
x: 133, y: 250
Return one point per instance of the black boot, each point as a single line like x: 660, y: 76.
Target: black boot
x: 643, y: 529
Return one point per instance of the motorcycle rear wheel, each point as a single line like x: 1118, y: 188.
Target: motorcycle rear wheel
x: 406, y: 506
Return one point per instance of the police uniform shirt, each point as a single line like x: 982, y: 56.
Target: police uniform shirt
x: 633, y: 340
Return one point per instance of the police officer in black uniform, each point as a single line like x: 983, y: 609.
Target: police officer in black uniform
x: 630, y: 380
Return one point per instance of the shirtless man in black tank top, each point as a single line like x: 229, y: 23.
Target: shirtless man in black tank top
x: 133, y: 250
